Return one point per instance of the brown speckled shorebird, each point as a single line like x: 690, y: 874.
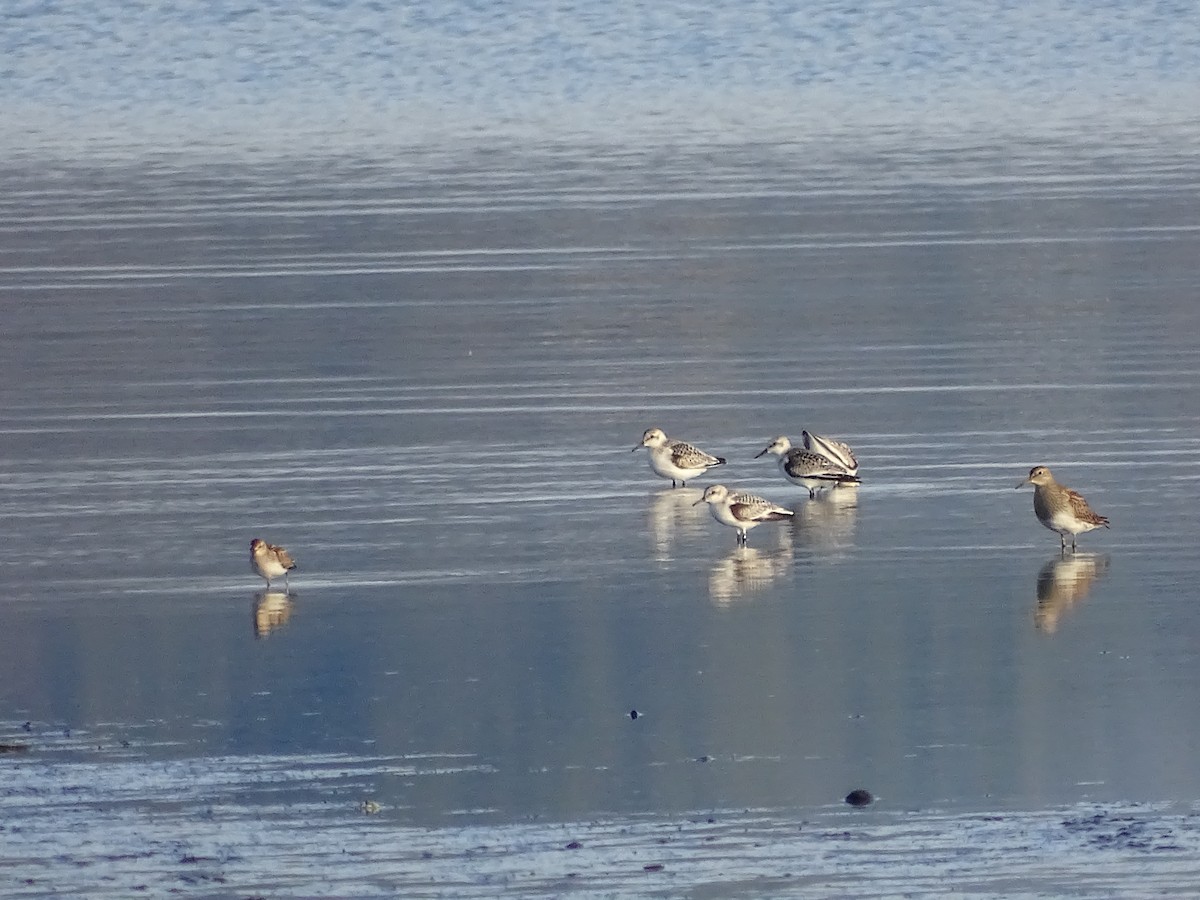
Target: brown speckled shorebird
x: 270, y: 561
x: 1059, y: 508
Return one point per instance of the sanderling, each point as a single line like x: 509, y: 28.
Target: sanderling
x: 808, y: 468
x: 270, y: 561
x: 741, y: 511
x: 1059, y: 508
x: 835, y: 451
x: 676, y: 460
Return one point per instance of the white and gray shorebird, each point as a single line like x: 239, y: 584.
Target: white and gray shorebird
x: 677, y: 460
x: 741, y: 511
x: 270, y: 561
x: 834, y: 451
x: 1059, y: 508
x: 808, y: 468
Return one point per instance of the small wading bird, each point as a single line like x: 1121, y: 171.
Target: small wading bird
x: 677, y: 460
x: 834, y: 451
x: 741, y: 511
x: 270, y: 561
x: 1059, y: 508
x: 808, y: 468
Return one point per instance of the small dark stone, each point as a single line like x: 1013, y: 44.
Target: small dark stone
x: 574, y: 845
x: 633, y: 714
x: 653, y: 867
x: 859, y: 797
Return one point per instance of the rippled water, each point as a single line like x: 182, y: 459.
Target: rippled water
x: 422, y: 366
x: 334, y: 74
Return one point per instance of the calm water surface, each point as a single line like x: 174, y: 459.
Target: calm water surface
x: 422, y: 368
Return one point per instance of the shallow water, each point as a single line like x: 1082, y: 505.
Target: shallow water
x: 422, y: 368
x: 435, y: 410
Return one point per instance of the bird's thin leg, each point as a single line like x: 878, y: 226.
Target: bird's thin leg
x: 812, y: 494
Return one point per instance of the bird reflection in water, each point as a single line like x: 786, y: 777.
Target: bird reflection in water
x: 670, y: 513
x: 1062, y: 582
x: 272, y: 609
x: 826, y: 523
x: 747, y: 570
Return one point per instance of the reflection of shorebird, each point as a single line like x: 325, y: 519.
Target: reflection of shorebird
x: 741, y: 511
x: 671, y: 512
x: 808, y: 469
x: 1059, y: 508
x: 1062, y: 582
x: 828, y: 522
x: 747, y: 570
x: 270, y: 561
x: 272, y: 609
x: 676, y: 460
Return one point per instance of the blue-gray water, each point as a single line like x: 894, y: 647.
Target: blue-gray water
x: 401, y: 290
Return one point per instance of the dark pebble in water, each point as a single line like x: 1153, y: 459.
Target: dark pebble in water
x: 653, y: 867
x: 633, y: 714
x: 13, y: 748
x: 574, y: 845
x: 859, y: 798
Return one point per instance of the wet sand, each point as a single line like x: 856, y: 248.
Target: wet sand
x: 180, y: 828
